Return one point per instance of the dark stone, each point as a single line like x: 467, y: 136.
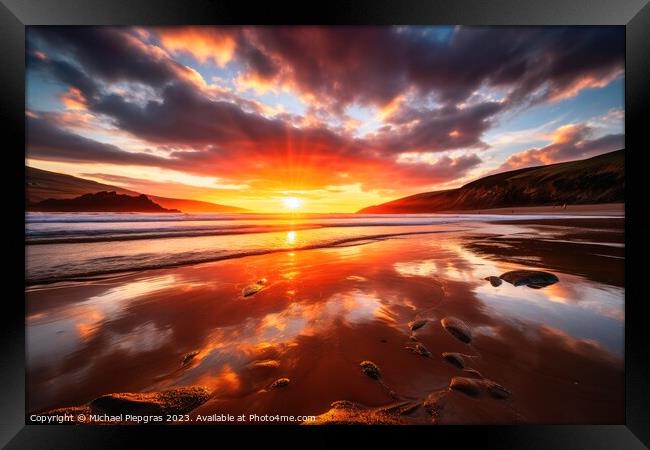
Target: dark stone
x: 421, y: 350
x: 251, y: 289
x: 532, y: 278
x: 494, y: 281
x: 189, y: 357
x: 454, y: 359
x: 457, y: 328
x: 370, y: 369
x: 496, y: 390
x: 417, y: 324
x: 467, y: 386
x: 280, y: 383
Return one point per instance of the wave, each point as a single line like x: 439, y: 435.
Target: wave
x: 116, y: 264
x: 87, y: 236
x: 75, y: 228
x: 103, y: 217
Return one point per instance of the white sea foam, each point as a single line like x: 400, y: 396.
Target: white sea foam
x: 63, y: 246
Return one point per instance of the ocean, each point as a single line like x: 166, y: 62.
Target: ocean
x: 73, y: 246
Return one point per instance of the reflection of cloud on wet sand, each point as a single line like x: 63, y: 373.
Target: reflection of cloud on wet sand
x: 335, y: 309
x: 588, y: 379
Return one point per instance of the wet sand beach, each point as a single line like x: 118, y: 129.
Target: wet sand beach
x: 312, y: 317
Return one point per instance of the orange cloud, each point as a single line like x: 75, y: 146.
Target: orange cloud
x: 256, y: 83
x: 73, y: 99
x: 201, y: 42
x: 392, y: 107
x: 568, y: 133
x: 588, y: 81
x: 568, y: 142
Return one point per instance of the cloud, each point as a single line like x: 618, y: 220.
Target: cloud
x: 569, y: 142
x: 442, y: 129
x: 442, y: 169
x: 48, y: 142
x: 62, y: 71
x: 339, y: 66
x: 313, y: 161
x: 205, y: 43
x: 111, y: 53
x: 430, y: 95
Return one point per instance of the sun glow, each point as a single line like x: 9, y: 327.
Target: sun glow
x: 292, y: 202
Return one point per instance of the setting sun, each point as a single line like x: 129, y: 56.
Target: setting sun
x: 292, y: 202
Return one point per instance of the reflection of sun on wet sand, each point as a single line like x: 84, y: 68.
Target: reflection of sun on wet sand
x: 408, y: 330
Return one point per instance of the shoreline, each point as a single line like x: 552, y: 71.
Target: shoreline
x: 612, y: 209
x: 604, y: 209
x: 341, y: 243
x: 571, y: 218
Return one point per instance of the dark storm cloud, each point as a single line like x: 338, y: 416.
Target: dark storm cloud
x: 64, y: 72
x: 443, y: 129
x: 113, y: 54
x: 258, y: 62
x: 184, y: 116
x: 187, y: 119
x: 47, y: 141
x: 339, y: 66
x: 373, y: 65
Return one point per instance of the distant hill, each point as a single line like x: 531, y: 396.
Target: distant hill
x: 195, y: 206
x: 600, y: 179
x: 101, y: 202
x: 42, y: 184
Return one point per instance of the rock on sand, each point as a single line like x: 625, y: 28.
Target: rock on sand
x: 172, y: 401
x: 457, y: 328
x: 532, y: 278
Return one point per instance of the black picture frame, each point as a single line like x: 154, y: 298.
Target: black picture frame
x: 633, y: 14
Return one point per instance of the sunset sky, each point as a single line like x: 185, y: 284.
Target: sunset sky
x: 337, y: 118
